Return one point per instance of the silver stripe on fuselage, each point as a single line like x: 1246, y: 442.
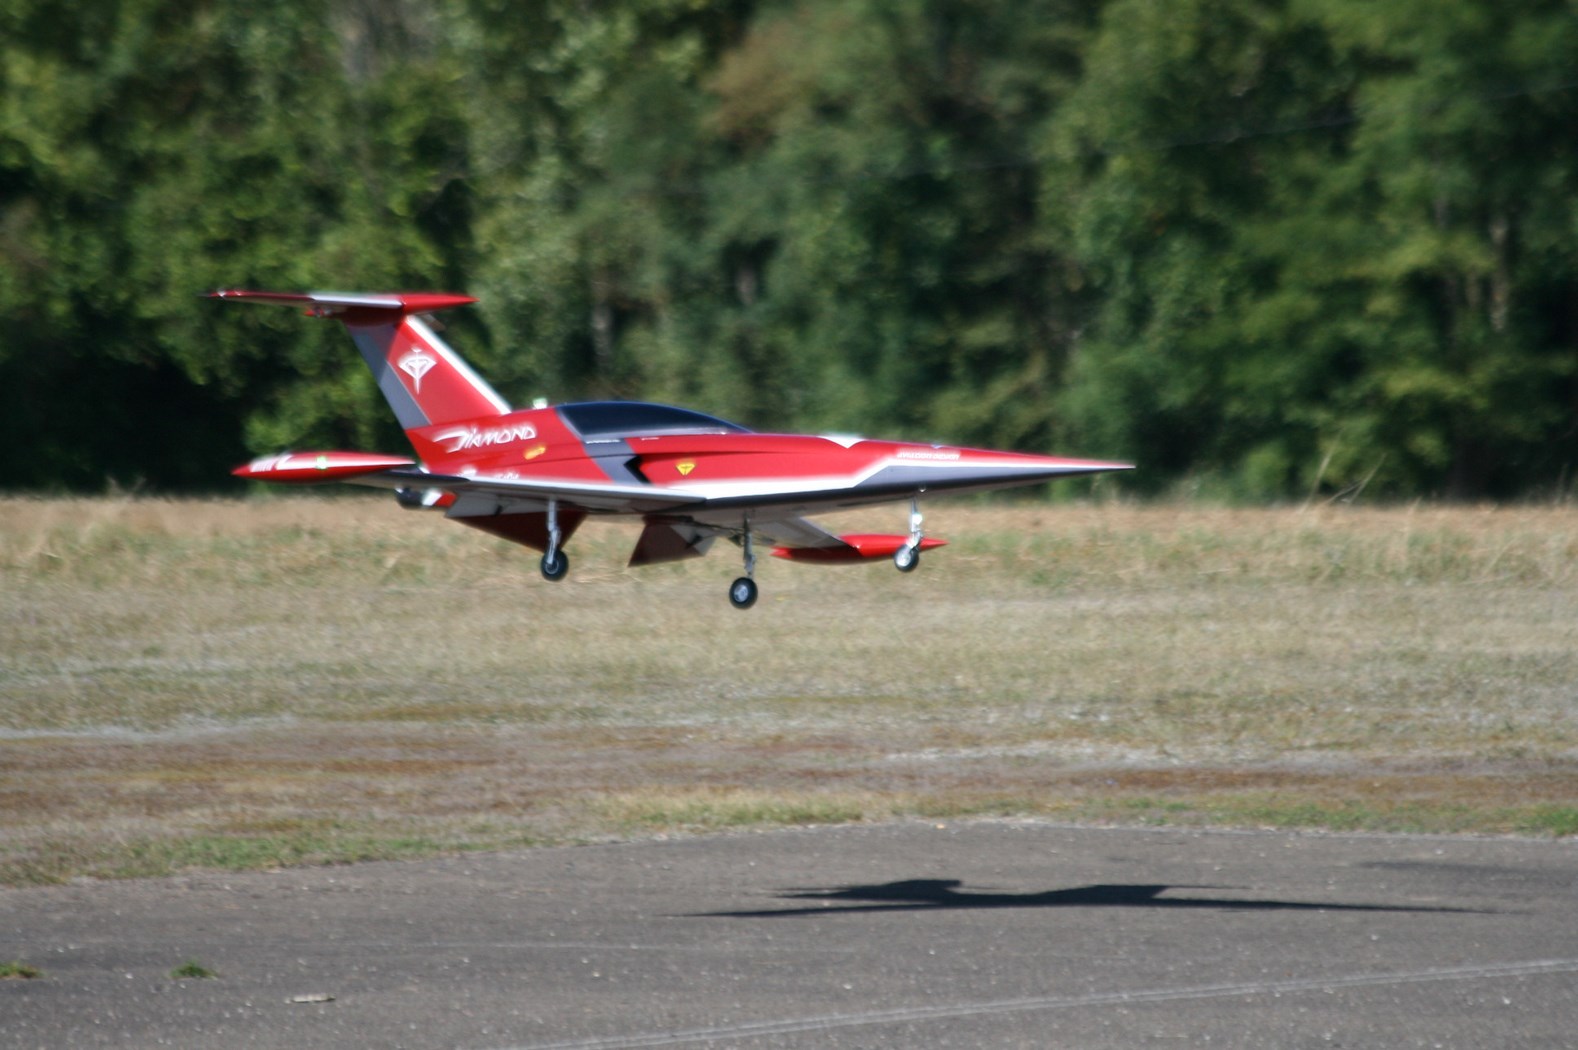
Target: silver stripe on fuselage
x: 374, y: 343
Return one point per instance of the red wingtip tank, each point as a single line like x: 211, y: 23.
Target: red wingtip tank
x: 313, y: 468
x: 862, y: 546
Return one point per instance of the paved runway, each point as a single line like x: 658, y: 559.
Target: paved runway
x: 991, y: 934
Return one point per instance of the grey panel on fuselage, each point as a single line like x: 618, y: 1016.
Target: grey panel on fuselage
x: 374, y: 342
x: 613, y: 457
x: 888, y: 484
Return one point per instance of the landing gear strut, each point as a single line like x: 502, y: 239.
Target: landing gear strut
x: 742, y: 592
x: 907, y: 557
x: 554, y: 562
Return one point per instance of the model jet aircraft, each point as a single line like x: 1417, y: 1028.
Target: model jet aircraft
x: 533, y: 475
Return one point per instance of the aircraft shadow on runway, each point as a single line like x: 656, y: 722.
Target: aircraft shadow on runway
x: 938, y: 894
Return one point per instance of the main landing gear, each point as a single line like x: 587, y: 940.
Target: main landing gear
x: 907, y: 557
x: 555, y: 563
x: 742, y: 592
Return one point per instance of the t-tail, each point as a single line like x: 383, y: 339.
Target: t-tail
x: 425, y: 382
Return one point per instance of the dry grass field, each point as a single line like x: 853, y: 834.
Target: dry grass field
x: 265, y: 683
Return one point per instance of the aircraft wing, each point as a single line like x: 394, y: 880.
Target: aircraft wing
x: 488, y: 495
x: 678, y: 534
x: 795, y: 532
x: 491, y: 495
x: 670, y: 511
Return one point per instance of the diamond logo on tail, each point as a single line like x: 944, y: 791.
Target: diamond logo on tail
x: 416, y: 364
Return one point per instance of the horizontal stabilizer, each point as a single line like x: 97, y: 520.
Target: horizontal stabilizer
x: 425, y: 382
x: 311, y: 468
x: 333, y: 304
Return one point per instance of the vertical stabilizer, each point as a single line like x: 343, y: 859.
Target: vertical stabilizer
x: 424, y: 381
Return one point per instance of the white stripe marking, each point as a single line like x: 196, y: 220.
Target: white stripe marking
x: 431, y: 340
x: 1011, y: 1006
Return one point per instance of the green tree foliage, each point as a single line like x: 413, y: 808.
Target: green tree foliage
x: 150, y: 150
x: 881, y: 217
x: 1320, y: 252
x: 1458, y: 153
x: 1270, y: 246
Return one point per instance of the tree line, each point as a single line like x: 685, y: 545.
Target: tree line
x: 1264, y: 248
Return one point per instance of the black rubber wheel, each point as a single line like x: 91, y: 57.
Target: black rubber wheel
x: 906, y: 558
x: 742, y: 593
x: 555, y: 568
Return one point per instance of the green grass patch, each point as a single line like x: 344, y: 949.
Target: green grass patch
x: 711, y: 810
x: 246, y: 853
x: 55, y: 862
x: 1294, y: 813
x: 192, y: 970
x: 1558, y: 821
x: 19, y: 971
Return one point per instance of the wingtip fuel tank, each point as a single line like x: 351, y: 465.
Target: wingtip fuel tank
x: 311, y: 468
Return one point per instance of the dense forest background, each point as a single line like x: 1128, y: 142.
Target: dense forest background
x: 1264, y: 248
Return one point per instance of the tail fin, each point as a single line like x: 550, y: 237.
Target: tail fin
x: 424, y: 381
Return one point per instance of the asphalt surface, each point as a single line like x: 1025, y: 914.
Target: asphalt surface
x: 988, y: 934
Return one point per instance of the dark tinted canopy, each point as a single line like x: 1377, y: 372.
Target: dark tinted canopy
x: 595, y: 419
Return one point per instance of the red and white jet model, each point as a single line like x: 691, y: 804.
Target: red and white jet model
x: 533, y: 475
